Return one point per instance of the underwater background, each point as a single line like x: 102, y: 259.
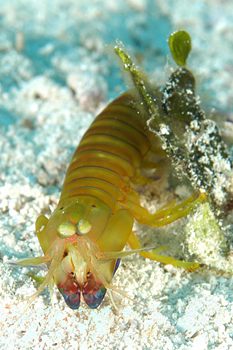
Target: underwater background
x: 57, y: 71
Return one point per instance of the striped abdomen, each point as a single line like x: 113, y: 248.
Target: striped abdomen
x: 108, y: 155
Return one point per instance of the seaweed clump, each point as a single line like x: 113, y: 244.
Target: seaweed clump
x: 194, y: 145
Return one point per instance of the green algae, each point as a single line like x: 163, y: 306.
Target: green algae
x: 206, y: 240
x: 195, y: 147
x: 191, y: 140
x: 180, y: 45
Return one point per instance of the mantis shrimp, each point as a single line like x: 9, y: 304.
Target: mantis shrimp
x: 84, y: 239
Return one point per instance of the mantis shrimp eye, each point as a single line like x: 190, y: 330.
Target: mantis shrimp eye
x: 83, y: 227
x: 66, y: 229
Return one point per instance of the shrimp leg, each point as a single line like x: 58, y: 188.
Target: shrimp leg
x: 165, y: 215
x: 134, y: 243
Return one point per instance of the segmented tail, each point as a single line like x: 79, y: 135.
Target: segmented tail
x: 108, y: 155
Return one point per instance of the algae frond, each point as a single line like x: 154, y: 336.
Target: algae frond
x: 194, y: 145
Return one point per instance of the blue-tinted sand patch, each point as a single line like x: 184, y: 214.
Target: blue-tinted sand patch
x: 7, y: 118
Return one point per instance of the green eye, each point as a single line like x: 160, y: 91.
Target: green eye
x: 83, y: 226
x: 66, y: 229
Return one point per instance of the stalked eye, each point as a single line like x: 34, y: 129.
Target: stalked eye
x: 66, y: 229
x: 83, y: 226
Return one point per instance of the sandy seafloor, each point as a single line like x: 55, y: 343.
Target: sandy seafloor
x: 56, y: 72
